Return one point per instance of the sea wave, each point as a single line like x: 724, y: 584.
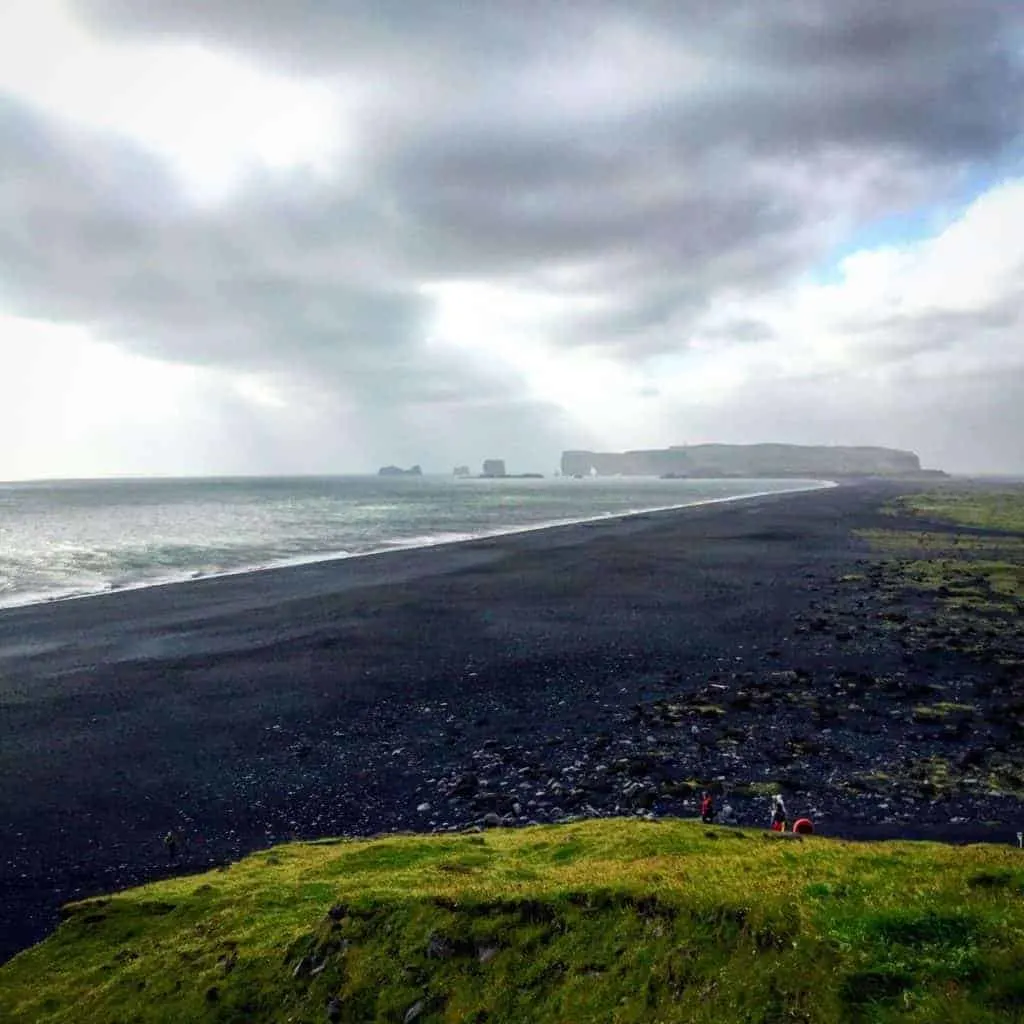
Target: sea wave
x: 83, y: 565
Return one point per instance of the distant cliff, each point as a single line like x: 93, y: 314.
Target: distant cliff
x: 398, y: 471
x: 755, y: 460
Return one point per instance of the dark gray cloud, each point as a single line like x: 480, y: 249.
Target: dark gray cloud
x: 924, y: 75
x: 92, y: 232
x: 659, y: 155
x: 730, y: 147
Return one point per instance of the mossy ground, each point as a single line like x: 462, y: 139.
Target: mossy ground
x: 962, y: 551
x: 990, y: 509
x: 976, y: 572
x: 617, y: 920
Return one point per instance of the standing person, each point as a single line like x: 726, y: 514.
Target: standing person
x: 707, y: 808
x: 778, y: 813
x: 171, y: 846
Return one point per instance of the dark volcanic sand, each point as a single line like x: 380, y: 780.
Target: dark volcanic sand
x: 498, y: 676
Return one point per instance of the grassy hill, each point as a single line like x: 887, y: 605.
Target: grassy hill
x: 614, y: 920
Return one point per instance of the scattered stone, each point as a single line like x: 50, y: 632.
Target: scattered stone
x: 414, y: 1012
x: 465, y: 785
x: 439, y: 947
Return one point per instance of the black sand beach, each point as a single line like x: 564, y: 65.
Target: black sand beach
x: 516, y: 677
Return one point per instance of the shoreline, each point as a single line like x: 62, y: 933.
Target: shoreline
x: 399, y: 545
x: 528, y: 677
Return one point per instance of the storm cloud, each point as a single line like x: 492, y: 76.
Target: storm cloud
x: 658, y: 182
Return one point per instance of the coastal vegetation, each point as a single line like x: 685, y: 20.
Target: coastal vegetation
x: 615, y: 920
x: 989, y: 509
x: 955, y: 558
x: 969, y: 557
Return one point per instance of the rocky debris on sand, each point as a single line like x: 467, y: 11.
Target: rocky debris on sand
x: 847, y: 743
x: 865, y: 702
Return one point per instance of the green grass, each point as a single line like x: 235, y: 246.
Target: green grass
x: 941, y: 711
x: 597, y: 921
x: 990, y: 509
x: 936, y: 544
x: 977, y: 577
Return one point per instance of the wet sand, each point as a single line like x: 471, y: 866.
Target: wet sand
x: 335, y: 698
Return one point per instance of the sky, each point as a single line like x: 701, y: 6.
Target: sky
x: 319, y: 236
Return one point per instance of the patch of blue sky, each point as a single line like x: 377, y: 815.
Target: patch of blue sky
x: 908, y: 227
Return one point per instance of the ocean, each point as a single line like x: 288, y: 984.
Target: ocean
x: 70, y: 539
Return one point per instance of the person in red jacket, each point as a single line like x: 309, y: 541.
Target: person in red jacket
x: 779, y: 815
x: 707, y: 808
